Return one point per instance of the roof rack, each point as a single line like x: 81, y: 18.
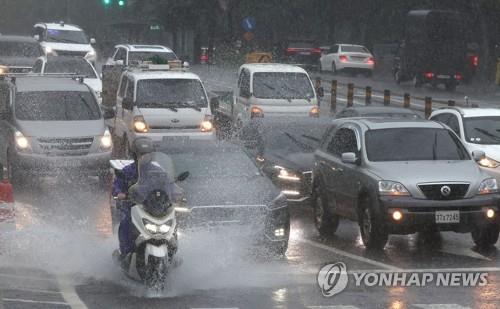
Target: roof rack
x: 173, y: 65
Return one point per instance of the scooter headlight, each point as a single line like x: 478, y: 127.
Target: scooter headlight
x: 154, y: 228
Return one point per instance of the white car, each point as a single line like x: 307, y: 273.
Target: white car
x: 479, y: 129
x: 346, y: 57
x: 135, y: 54
x: 71, y: 65
x: 162, y: 104
x: 60, y: 39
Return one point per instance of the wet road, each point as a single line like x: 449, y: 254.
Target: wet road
x: 60, y: 257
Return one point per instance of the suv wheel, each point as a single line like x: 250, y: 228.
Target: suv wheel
x: 485, y: 236
x: 373, y: 233
x: 325, y: 223
x: 334, y: 68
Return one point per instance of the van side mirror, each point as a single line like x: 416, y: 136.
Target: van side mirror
x: 182, y: 176
x: 108, y: 113
x: 37, y: 37
x: 119, y: 62
x: 128, y: 103
x: 350, y: 158
x: 477, y: 155
x: 93, y: 41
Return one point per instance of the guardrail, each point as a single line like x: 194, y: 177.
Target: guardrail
x: 386, y: 93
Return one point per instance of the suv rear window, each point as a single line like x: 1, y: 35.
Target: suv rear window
x: 413, y: 144
x: 56, y: 106
x: 354, y: 49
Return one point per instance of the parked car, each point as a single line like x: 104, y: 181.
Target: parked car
x: 225, y: 187
x: 19, y: 53
x: 377, y: 111
x: 70, y: 65
x: 126, y: 54
x: 348, y: 58
x: 50, y: 125
x: 284, y: 148
x: 479, y: 129
x: 398, y: 176
x: 60, y: 39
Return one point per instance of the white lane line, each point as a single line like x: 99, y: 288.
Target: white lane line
x: 350, y: 255
x: 69, y: 294
x: 440, y: 306
x: 30, y: 301
x: 27, y: 277
x: 463, y: 252
x: 31, y: 290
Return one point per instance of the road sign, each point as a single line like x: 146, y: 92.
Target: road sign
x: 248, y: 23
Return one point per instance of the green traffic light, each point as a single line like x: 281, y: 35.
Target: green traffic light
x: 106, y: 2
x: 121, y: 2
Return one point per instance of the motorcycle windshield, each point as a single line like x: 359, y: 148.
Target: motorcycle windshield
x: 155, y: 188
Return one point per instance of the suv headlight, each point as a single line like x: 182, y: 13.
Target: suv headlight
x: 154, y: 228
x: 387, y: 187
x: 488, y: 162
x: 285, y: 174
x: 140, y: 125
x: 50, y: 51
x: 106, y: 140
x: 278, y: 202
x: 22, y: 143
x: 488, y: 186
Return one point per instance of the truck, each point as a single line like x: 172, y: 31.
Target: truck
x: 433, y: 50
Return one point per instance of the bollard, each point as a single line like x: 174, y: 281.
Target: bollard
x: 368, y: 95
x: 451, y: 103
x: 350, y: 95
x: 333, y: 98
x: 406, y: 100
x: 320, y: 93
x: 428, y: 107
x: 387, y: 97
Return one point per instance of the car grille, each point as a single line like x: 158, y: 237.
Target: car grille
x: 71, y: 53
x: 78, y: 145
x: 435, y: 191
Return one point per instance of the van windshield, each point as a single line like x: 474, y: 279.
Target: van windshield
x: 170, y: 93
x: 282, y: 85
x: 67, y: 36
x: 56, y: 106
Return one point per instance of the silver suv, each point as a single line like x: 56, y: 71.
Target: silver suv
x: 401, y: 177
x: 52, y: 124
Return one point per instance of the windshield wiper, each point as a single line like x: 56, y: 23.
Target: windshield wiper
x: 159, y: 105
x: 186, y: 105
x: 487, y: 133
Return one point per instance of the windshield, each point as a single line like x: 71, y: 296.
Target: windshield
x: 155, y: 57
x: 354, y: 49
x: 74, y: 66
x: 281, y: 85
x: 167, y: 93
x: 482, y: 130
x: 413, y: 144
x: 19, y: 49
x: 67, y: 36
x: 56, y: 106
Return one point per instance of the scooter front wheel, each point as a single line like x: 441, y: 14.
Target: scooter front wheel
x: 156, y: 273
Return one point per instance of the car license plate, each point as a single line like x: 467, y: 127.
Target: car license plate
x: 72, y: 163
x: 444, y: 76
x: 305, y: 53
x: 175, y: 139
x: 451, y: 216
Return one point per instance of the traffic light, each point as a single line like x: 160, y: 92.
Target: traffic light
x: 106, y: 2
x: 121, y: 2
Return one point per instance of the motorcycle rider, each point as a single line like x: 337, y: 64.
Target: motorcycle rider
x: 121, y: 185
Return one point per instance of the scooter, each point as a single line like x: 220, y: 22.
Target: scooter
x: 154, y: 225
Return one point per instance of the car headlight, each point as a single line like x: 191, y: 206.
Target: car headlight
x: 90, y: 54
x: 50, y: 51
x: 285, y: 174
x: 140, y: 125
x: 488, y: 162
x: 278, y: 202
x: 488, y: 186
x: 4, y: 69
x: 206, y: 126
x: 22, y: 142
x: 155, y: 228
x: 387, y: 187
x: 106, y: 140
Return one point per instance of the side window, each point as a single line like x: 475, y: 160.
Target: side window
x: 335, y: 49
x: 120, y: 54
x: 245, y: 84
x: 40, y: 32
x: 453, y: 124
x: 123, y: 86
x: 37, y: 68
x: 343, y: 141
x: 130, y: 89
x: 327, y: 136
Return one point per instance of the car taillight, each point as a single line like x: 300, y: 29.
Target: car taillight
x: 429, y: 75
x: 316, y: 50
x: 370, y: 60
x: 343, y: 58
x: 474, y: 60
x: 458, y: 76
x: 314, y: 112
x: 256, y: 112
x: 291, y: 50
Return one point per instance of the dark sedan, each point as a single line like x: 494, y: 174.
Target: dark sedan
x: 377, y: 111
x: 19, y: 53
x: 284, y: 149
x: 225, y: 187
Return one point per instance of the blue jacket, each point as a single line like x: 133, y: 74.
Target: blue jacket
x: 122, y: 184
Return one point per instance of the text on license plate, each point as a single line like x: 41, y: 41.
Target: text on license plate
x: 175, y: 138
x: 448, y: 216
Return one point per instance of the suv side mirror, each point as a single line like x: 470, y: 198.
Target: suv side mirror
x: 182, y: 176
x: 119, y: 62
x: 349, y: 157
x: 108, y: 113
x: 93, y: 41
x: 477, y: 155
x: 37, y: 37
x: 128, y: 103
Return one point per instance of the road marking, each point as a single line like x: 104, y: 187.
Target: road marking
x: 30, y: 301
x: 31, y: 290
x: 26, y: 277
x: 350, y: 255
x: 467, y: 252
x: 69, y: 294
x: 440, y: 306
